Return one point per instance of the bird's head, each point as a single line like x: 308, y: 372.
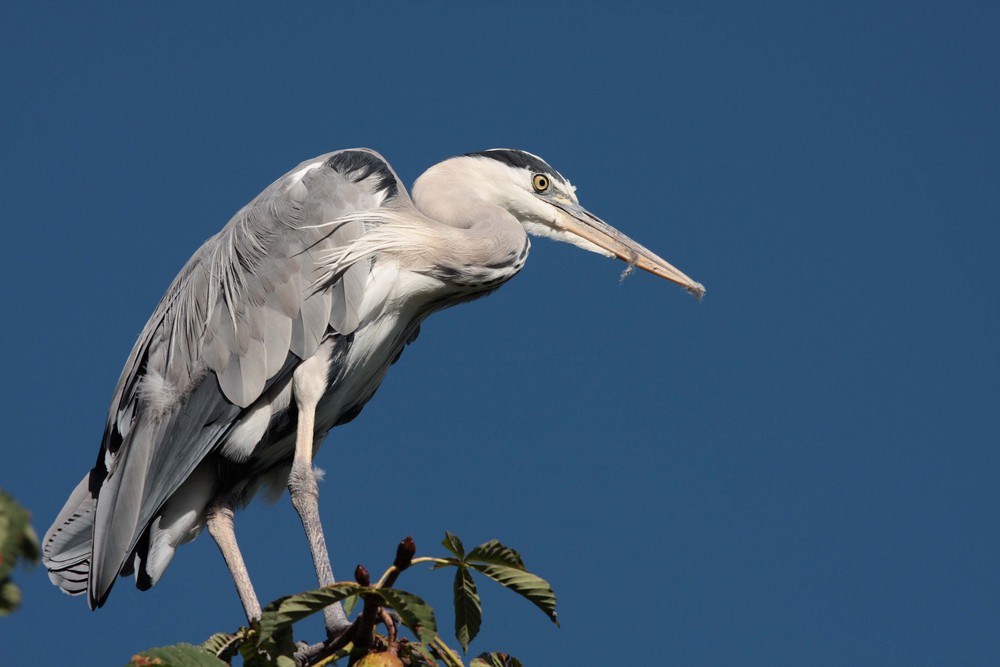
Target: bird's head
x: 541, y: 199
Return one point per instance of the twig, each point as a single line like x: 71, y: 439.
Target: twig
x: 390, y: 575
x: 446, y: 653
x: 390, y: 628
x: 316, y: 653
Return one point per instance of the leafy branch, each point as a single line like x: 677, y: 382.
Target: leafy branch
x: 269, y: 641
x: 501, y: 564
x: 18, y: 542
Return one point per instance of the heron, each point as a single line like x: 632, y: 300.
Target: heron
x: 281, y: 327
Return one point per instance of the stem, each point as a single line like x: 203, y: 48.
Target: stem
x: 393, y: 571
x: 320, y: 654
x: 385, y: 577
x: 330, y: 659
x: 431, y: 559
x: 390, y: 627
x: 447, y: 654
x: 324, y: 652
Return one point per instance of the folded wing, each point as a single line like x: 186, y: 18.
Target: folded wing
x: 240, y: 316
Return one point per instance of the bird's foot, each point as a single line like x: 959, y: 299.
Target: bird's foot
x: 308, y: 654
x: 335, y: 620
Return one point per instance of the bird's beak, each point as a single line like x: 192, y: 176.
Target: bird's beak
x: 581, y: 222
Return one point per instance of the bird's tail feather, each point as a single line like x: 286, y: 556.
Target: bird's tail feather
x: 68, y: 543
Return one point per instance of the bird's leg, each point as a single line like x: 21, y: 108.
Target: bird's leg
x: 305, y: 495
x: 219, y: 518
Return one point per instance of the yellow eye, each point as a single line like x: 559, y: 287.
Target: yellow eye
x: 540, y: 182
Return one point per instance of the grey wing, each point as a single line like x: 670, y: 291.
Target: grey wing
x: 239, y: 317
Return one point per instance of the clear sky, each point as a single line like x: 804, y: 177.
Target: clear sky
x: 802, y: 469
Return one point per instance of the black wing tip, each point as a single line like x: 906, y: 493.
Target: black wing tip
x: 360, y: 164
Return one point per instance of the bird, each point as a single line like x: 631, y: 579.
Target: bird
x: 281, y: 327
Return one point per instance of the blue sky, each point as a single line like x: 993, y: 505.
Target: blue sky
x: 799, y: 470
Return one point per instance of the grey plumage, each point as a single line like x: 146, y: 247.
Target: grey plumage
x: 333, y: 265
x: 240, y: 311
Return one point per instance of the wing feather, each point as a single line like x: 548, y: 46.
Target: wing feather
x: 349, y: 293
x: 277, y: 337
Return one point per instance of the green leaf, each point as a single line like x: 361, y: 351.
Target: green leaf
x: 495, y: 660
x: 451, y: 562
x: 349, y: 603
x: 531, y: 586
x: 287, y: 610
x: 278, y: 650
x: 10, y: 597
x: 178, y: 655
x: 453, y: 544
x: 31, y: 551
x: 414, y: 652
x: 225, y: 645
x: 275, y: 643
x: 416, y: 614
x: 17, y: 538
x: 17, y: 542
x: 496, y: 553
x: 468, y: 611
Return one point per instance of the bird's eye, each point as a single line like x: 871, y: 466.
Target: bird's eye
x: 540, y: 182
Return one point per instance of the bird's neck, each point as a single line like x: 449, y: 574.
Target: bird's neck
x: 478, y: 242
x: 445, y: 193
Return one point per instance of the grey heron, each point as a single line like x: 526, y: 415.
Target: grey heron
x: 282, y: 326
